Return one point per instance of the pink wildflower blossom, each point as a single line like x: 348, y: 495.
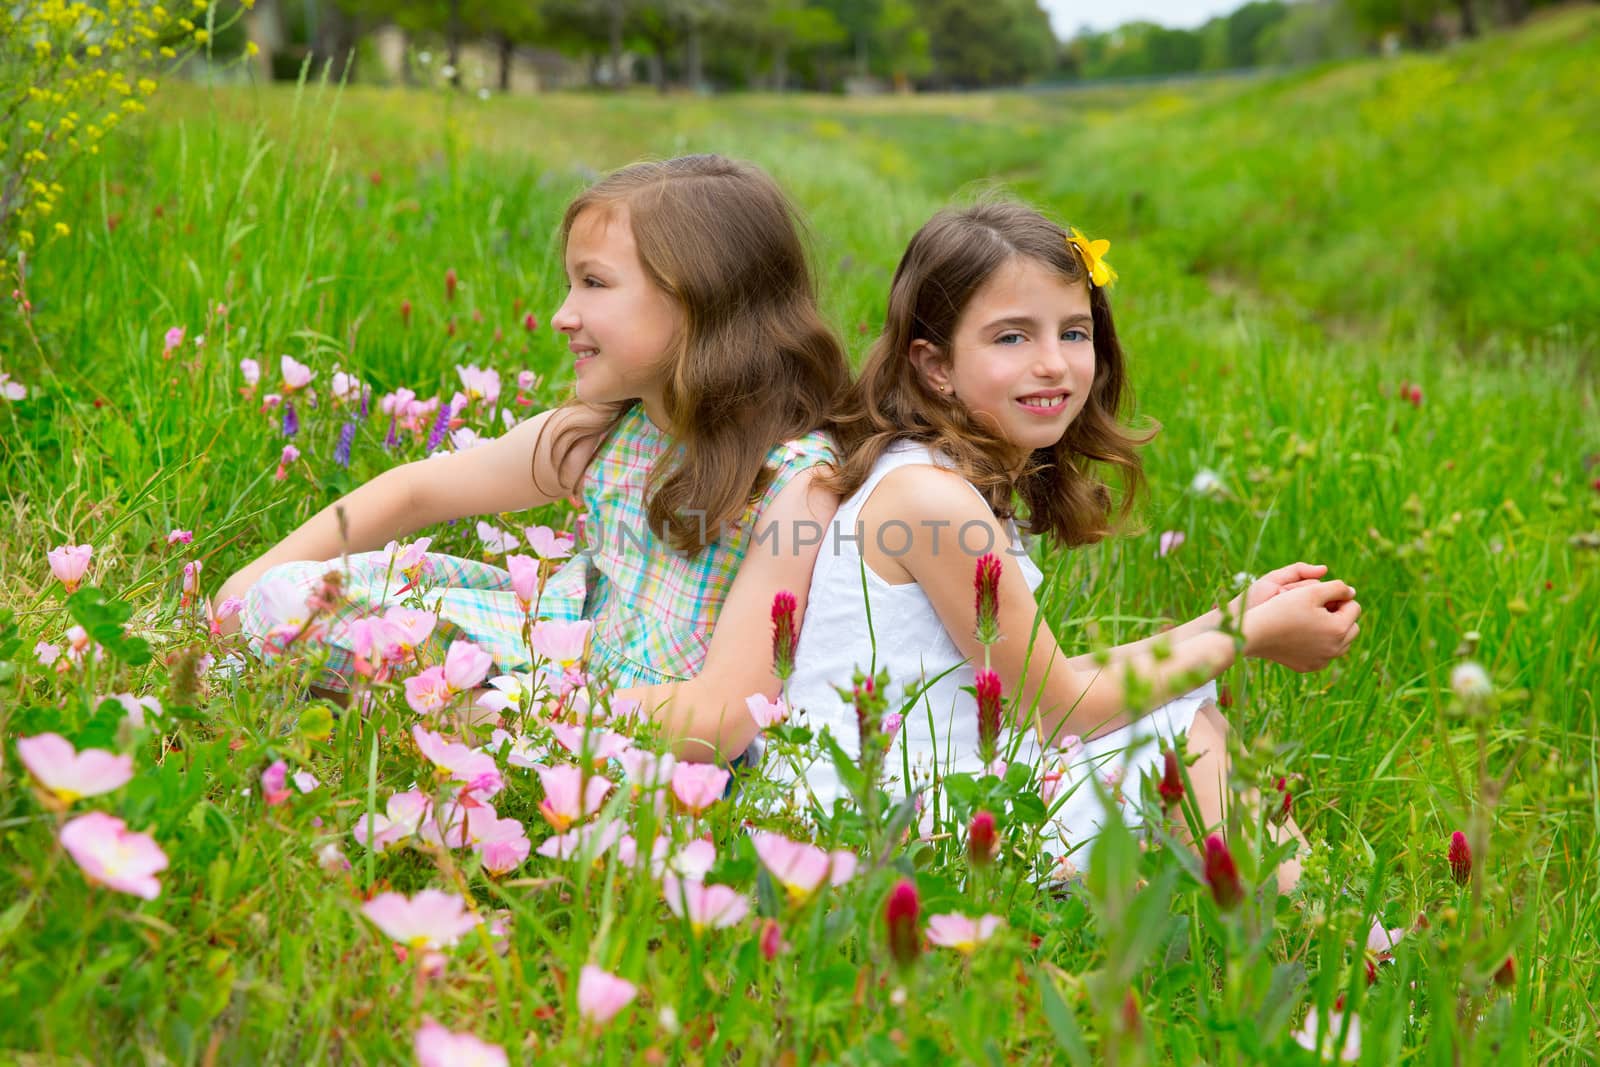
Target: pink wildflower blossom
x: 479, y: 383
x: 561, y: 643
x: 802, y: 868
x: 69, y: 774
x: 180, y: 537
x: 767, y: 713
x: 547, y: 543
x: 404, y: 814
x: 457, y: 762
x: 570, y: 796
x: 495, y: 541
x: 428, y: 691
x: 437, y: 1047
x: 698, y: 785
x: 602, y: 995
x: 524, y: 580
x: 250, y: 370
x: 296, y: 375
x: 136, y: 706
x: 69, y: 562
x: 466, y: 666
x: 960, y: 932
x: 430, y: 920
x: 109, y: 853
x: 275, y: 783
x: 1169, y: 541
x: 713, y: 906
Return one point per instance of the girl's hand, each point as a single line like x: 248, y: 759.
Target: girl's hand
x: 1271, y: 584
x: 1305, y: 627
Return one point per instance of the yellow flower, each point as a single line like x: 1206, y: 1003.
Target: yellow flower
x: 1093, y: 255
x: 201, y: 36
x: 62, y: 229
x: 251, y: 50
x: 25, y: 238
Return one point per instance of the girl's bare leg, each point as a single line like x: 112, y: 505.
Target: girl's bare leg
x: 1208, y: 776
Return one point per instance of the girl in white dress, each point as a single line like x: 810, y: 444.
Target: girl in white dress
x: 994, y: 393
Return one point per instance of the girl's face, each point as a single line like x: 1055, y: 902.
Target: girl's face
x: 1022, y: 357
x: 619, y: 324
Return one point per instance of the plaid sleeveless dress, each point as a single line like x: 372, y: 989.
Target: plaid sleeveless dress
x: 653, y: 608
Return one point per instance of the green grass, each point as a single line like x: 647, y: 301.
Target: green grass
x: 1291, y: 251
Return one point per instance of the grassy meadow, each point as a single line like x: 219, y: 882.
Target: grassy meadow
x: 1366, y: 297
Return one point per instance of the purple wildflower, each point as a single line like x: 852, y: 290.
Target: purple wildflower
x: 440, y: 426
x: 391, y: 439
x: 291, y: 421
x: 347, y: 437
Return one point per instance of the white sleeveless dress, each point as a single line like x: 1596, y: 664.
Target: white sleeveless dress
x: 940, y: 734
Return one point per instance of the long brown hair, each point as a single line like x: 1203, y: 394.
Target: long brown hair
x: 755, y: 364
x: 1061, y: 487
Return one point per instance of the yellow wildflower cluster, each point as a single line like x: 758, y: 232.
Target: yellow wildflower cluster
x: 77, y: 69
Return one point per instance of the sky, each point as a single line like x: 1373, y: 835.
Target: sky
x: 1068, y: 15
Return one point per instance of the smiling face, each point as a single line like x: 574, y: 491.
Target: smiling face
x: 619, y: 325
x: 1021, y: 358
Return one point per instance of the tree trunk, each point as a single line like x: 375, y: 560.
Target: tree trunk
x: 1469, y: 24
x: 658, y: 69
x: 780, y: 66
x: 453, y: 44
x: 1513, y: 11
x: 692, y: 61
x: 507, y: 53
x: 265, y: 27
x: 614, y: 32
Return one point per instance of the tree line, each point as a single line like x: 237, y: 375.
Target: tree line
x: 829, y: 45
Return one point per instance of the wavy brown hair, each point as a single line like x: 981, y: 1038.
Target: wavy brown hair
x: 1061, y: 487
x: 755, y: 364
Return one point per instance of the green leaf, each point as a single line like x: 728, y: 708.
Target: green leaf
x: 316, y: 722
x: 1063, y: 1023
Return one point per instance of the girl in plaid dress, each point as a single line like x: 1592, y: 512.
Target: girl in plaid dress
x: 704, y: 376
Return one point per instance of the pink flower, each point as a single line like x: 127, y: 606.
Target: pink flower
x: 524, y: 580
x: 304, y: 781
x: 284, y: 607
x: 437, y: 1047
x: 345, y: 386
x: 457, y: 762
x: 403, y: 817
x: 602, y: 995
x: 480, y: 384
x: 296, y: 375
x: 767, y: 713
x: 428, y: 691
x: 802, y: 868
x: 46, y: 653
x: 12, y: 390
x: 646, y: 769
x: 136, y: 707
x: 693, y: 861
x: 561, y: 643
x: 431, y: 919
x: 1169, y: 541
x: 191, y: 580
x: 180, y: 537
x: 698, y: 785
x: 69, y: 562
x: 592, y: 841
x: 713, y: 906
x: 1381, y: 941
x: 891, y: 723
x: 496, y: 541
x: 112, y: 855
x: 275, y: 783
x: 408, y: 630
x: 331, y: 858
x: 69, y: 774
x: 501, y: 844
x: 171, y: 339
x: 466, y: 666
x: 251, y: 371
x: 526, y: 379
x: 1312, y: 1036
x: 602, y: 745
x: 547, y: 543
x: 569, y: 795
x: 961, y: 933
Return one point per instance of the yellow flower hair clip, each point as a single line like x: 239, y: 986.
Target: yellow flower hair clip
x: 1093, y: 255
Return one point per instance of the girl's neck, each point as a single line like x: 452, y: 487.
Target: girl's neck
x: 655, y: 409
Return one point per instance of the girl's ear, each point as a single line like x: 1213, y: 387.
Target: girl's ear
x: 932, y: 367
